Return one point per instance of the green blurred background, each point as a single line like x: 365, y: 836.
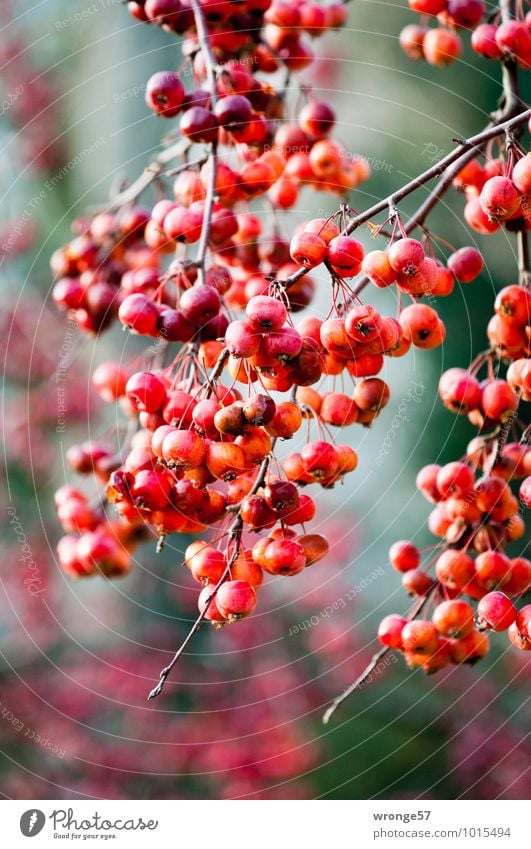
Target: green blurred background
x: 242, y: 715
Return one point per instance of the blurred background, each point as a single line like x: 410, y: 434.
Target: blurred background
x: 241, y: 715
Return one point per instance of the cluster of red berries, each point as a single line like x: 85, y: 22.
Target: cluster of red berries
x: 474, y: 515
x: 93, y: 543
x: 442, y: 45
x: 497, y: 193
x: 203, y: 451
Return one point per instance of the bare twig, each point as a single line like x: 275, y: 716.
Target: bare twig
x: 466, y: 151
x: 376, y: 658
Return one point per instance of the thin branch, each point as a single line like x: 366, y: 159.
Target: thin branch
x: 376, y: 658
x: 466, y: 151
x: 151, y: 173
x: 234, y: 533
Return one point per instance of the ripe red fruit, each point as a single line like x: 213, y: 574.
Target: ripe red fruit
x: 465, y: 14
x: 460, y: 391
x: 109, y: 380
x: 470, y: 649
x: 427, y: 7
x: 213, y: 613
x: 499, y: 198
x: 405, y: 256
x: 454, y: 569
x: 513, y: 37
x: 521, y: 175
x: 411, y: 41
x: 404, y: 556
x: 284, y: 557
x: 523, y: 621
x: 479, y: 220
x: 455, y: 479
x: 520, y: 641
x: 319, y: 459
x: 205, y: 562
x: 498, y: 400
x: 200, y: 303
x: 165, y: 93
x: 496, y: 611
x: 417, y: 583
x: 182, y: 224
x: 513, y: 303
x: 233, y: 112
x: 307, y: 249
x: 390, y: 631
x: 338, y: 409
x: 426, y: 482
x: 315, y: 547
x: 281, y: 496
x: 492, y: 569
x: 183, y: 449
x: 483, y: 41
x: 378, y: 269
x: 345, y: 255
x: 441, y: 47
x: 266, y: 313
x: 256, y: 513
x: 454, y: 618
x: 145, y: 391
x: 286, y: 421
x: 200, y: 125
x: 421, y: 324
x: 317, y: 119
x: 236, y: 600
x: 363, y: 323
x: 420, y: 636
x: 139, y: 314
x: 466, y: 264
x: 525, y: 492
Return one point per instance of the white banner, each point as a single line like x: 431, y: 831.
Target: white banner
x: 263, y: 824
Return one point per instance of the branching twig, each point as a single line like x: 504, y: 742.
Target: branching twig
x: 466, y: 151
x: 376, y: 658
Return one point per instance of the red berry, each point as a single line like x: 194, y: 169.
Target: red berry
x: 454, y: 618
x: 466, y: 264
x: 145, y: 392
x: 345, y: 255
x: 525, y: 492
x: 317, y: 119
x: 390, y: 631
x: 499, y: 198
x: 139, y: 314
x: 308, y: 249
x: 455, y: 479
x: 404, y: 556
x: 284, y: 557
x: 441, y: 47
x: 420, y: 636
x: 165, y: 93
x: 496, y: 611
